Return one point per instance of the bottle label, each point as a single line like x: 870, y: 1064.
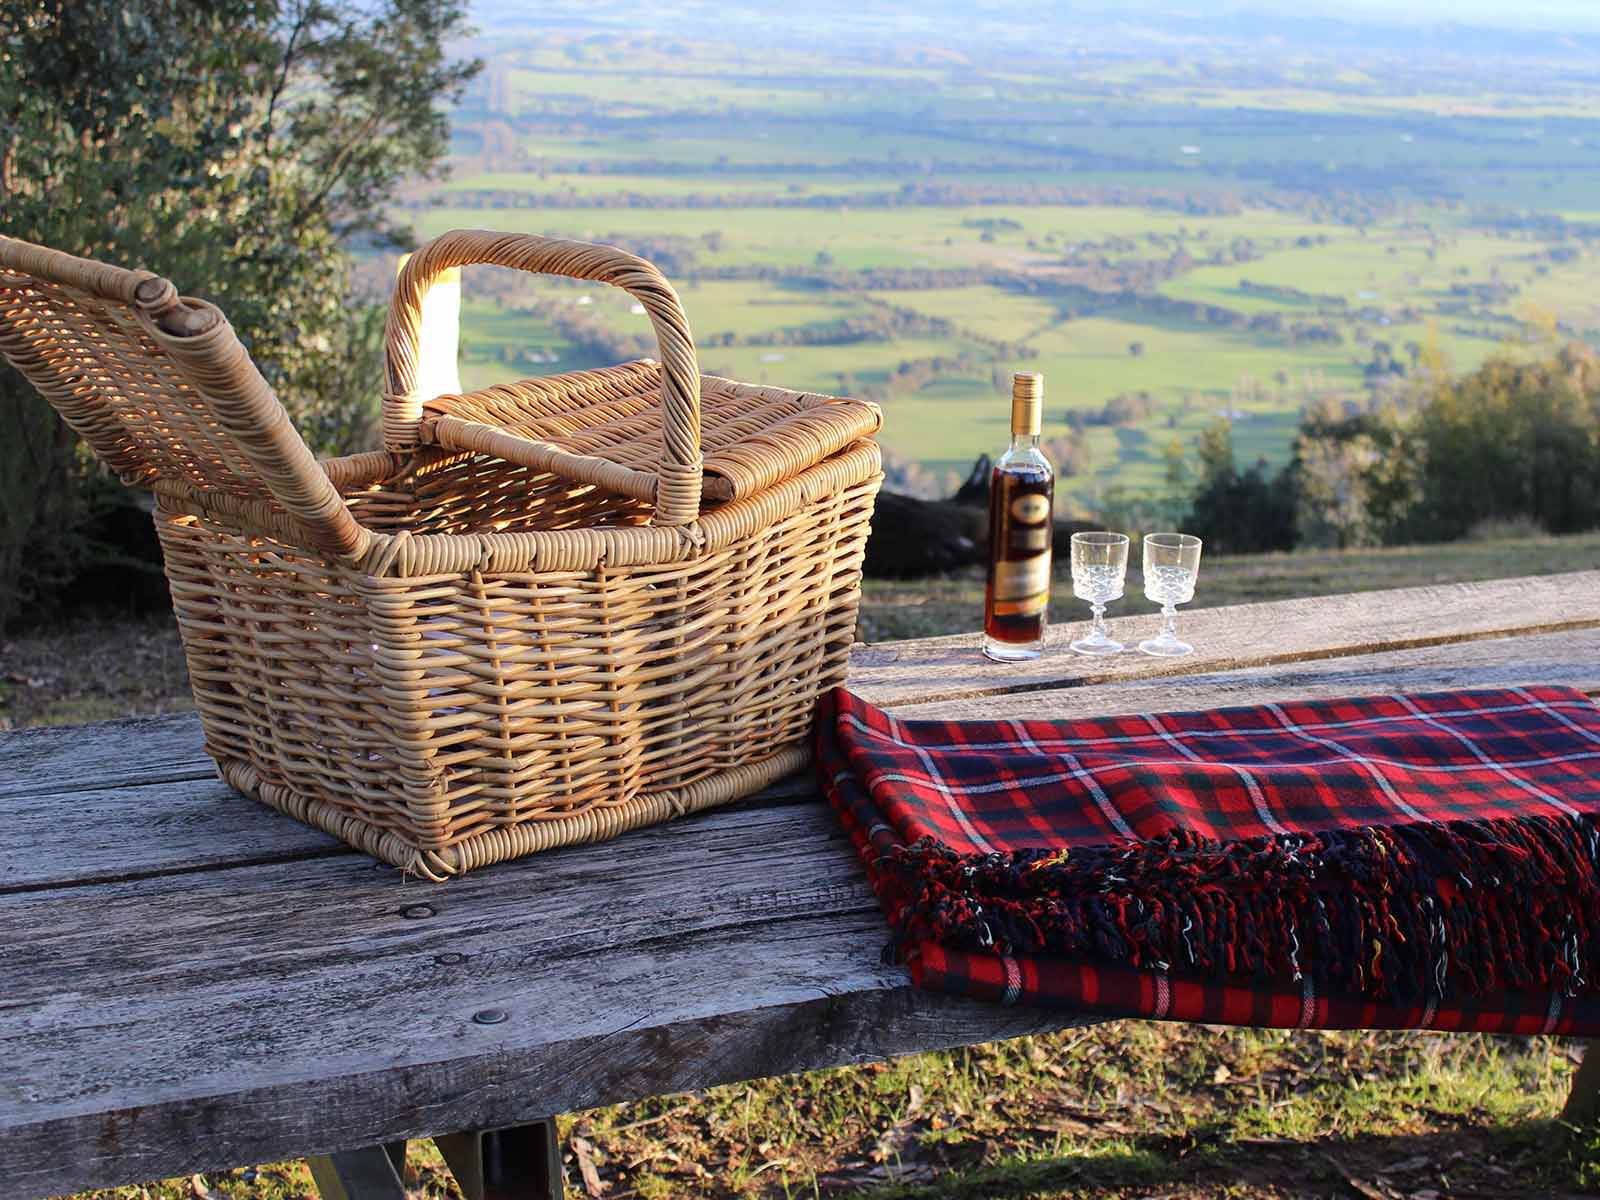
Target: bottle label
x: 1022, y: 588
x: 1030, y: 508
x: 1022, y: 540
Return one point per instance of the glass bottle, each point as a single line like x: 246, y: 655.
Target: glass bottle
x: 1021, y: 524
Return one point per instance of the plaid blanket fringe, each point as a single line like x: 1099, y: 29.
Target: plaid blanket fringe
x: 1482, y: 922
x: 1404, y: 913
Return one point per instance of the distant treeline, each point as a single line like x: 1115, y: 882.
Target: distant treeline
x: 1084, y: 286
x: 1125, y: 408
x: 1512, y: 445
x: 1547, y: 226
x: 1341, y: 209
x: 873, y: 279
x: 593, y: 336
x: 679, y: 258
x: 912, y: 375
x: 949, y: 195
x: 1291, y: 295
x: 1292, y: 330
x: 883, y: 322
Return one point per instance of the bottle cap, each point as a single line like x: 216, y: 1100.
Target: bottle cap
x: 1027, y: 403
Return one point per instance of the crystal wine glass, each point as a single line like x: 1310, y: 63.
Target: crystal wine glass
x: 1171, y: 565
x: 1099, y: 563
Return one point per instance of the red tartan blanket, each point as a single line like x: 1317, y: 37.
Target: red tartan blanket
x: 1383, y: 862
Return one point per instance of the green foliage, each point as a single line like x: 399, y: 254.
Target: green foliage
x: 236, y: 146
x: 1235, y: 512
x: 1356, y: 478
x: 1248, y: 513
x: 1512, y: 439
x: 1512, y: 445
x: 42, y: 505
x: 1214, y: 448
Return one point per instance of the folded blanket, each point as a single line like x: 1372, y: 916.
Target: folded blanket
x: 1384, y: 862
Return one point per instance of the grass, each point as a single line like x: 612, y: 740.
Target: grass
x: 819, y: 368
x: 92, y: 668
x: 785, y: 236
x: 1091, y: 359
x: 989, y: 311
x: 500, y: 346
x: 1126, y: 1109
x: 1385, y: 269
x: 748, y: 308
x: 1567, y: 292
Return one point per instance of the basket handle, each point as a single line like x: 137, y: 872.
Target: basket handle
x: 679, y: 471
x: 199, y: 338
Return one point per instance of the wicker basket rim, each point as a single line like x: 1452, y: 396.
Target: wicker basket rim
x: 408, y: 554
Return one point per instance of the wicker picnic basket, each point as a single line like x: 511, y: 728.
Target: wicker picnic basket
x: 545, y: 613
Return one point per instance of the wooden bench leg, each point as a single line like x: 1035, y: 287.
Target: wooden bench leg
x: 520, y: 1163
x: 371, y: 1173
x: 1583, y: 1102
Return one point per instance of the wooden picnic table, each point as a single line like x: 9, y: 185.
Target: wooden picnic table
x: 190, y: 981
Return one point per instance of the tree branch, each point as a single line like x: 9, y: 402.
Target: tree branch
x: 337, y: 168
x: 301, y: 20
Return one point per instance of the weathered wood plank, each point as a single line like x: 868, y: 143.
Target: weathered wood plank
x: 129, y: 832
x: 58, y: 759
x: 1244, y: 635
x: 79, y: 838
x: 168, y: 1025
x: 332, y: 912
x: 122, y: 829
x: 486, y: 1088
x: 1567, y: 659
x: 739, y: 943
x: 167, y: 1020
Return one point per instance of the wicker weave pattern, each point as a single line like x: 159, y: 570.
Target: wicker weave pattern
x: 159, y: 386
x: 449, y: 653
x: 752, y: 437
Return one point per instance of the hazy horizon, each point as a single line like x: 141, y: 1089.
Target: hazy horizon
x: 1551, y: 15
x: 989, y: 19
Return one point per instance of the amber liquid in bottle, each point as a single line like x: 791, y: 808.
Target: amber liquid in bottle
x: 1021, y: 522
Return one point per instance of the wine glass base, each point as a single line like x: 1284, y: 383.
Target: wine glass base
x: 1095, y: 644
x: 1165, y: 647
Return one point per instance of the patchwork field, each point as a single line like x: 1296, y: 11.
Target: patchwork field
x: 1185, y: 239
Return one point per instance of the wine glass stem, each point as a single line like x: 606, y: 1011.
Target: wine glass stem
x: 1099, y: 628
x: 1169, y: 623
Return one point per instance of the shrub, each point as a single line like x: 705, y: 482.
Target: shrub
x: 237, y: 146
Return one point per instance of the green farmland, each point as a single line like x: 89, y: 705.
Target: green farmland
x: 1207, y: 238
